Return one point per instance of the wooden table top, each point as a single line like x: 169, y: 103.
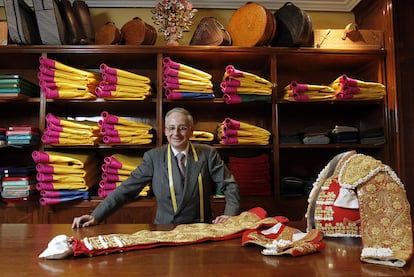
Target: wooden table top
x: 22, y: 243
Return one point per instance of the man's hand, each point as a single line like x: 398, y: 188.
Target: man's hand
x: 221, y: 219
x: 84, y: 221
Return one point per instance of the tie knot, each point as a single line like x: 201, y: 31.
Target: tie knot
x: 180, y: 157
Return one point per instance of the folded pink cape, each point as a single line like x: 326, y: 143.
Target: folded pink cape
x: 231, y: 70
x: 298, y: 87
x: 299, y: 96
x: 112, y: 162
x: 40, y: 157
x: 110, y: 170
x: 229, y: 140
x: 167, y: 61
x: 103, y: 192
x: 345, y: 80
x: 107, y: 185
x: 109, y: 118
x: 110, y: 177
x: 231, y: 123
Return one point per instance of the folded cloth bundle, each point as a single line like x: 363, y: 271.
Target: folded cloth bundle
x: 348, y: 88
x: 51, y: 197
x: 345, y: 134
x: 61, y: 131
x: 202, y: 137
x: 58, y: 80
x: 231, y: 131
x: 297, y: 92
x: 239, y: 86
x: 252, y: 174
x: 115, y: 169
x: 62, y: 246
x: 22, y: 135
x: 281, y: 239
x: 74, y: 173
x: 356, y: 195
x: 119, y: 84
x: 119, y: 130
x: 181, y: 81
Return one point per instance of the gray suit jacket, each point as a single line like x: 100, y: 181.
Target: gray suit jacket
x: 154, y: 170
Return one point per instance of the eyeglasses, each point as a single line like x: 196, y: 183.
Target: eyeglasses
x: 181, y: 128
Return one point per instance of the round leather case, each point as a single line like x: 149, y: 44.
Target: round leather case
x: 251, y: 25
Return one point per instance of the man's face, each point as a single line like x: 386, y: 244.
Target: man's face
x: 178, y: 130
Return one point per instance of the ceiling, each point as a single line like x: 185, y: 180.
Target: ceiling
x: 307, y: 5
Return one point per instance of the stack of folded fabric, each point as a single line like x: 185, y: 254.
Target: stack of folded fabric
x: 63, y: 176
x: 61, y: 81
x: 18, y: 183
x: 345, y: 134
x: 316, y: 135
x: 119, y: 130
x: 181, y: 81
x: 115, y: 169
x: 296, y: 92
x: 13, y: 86
x: 252, y: 174
x: 239, y: 86
x: 3, y: 137
x: 202, y: 137
x: 23, y: 135
x: 61, y: 131
x: 348, y: 88
x: 372, y: 136
x: 231, y: 131
x: 118, y: 84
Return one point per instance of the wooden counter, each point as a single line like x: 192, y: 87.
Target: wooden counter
x: 22, y: 243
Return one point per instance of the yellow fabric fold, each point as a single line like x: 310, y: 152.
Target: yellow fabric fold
x: 73, y: 70
x: 128, y: 162
x: 120, y: 73
x: 76, y: 124
x: 202, y: 136
x: 77, y: 141
x: 250, y: 82
x: 75, y: 160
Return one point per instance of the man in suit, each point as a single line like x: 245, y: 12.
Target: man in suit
x: 181, y: 197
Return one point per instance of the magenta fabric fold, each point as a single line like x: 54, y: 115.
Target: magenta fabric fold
x: 167, y: 61
x: 345, y: 80
x: 109, y: 118
x: 45, y: 168
x: 107, y: 185
x: 112, y: 162
x: 110, y: 170
x: 231, y: 70
x: 40, y: 157
x: 104, y: 192
x: 104, y: 68
x: 49, y: 139
x: 109, y: 132
x: 109, y: 139
x: 231, y: 123
x: 44, y: 186
x: 44, y: 177
x: 299, y: 96
x: 47, y: 62
x: 102, y: 92
x: 113, y: 79
x: 298, y: 87
x: 51, y: 133
x: 229, y: 140
x: 110, y: 177
x: 232, y: 98
x: 52, y: 119
x: 50, y: 93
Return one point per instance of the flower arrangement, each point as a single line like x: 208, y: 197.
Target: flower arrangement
x: 174, y: 18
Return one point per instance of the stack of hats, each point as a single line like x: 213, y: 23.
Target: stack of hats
x: 119, y: 130
x: 239, y: 86
x: 118, y: 84
x: 115, y: 169
x: 252, y: 174
x: 297, y: 92
x: 348, y: 88
x: 60, y: 131
x: 63, y: 176
x: 22, y: 135
x: 181, y: 81
x: 61, y: 81
x: 18, y: 183
x: 231, y: 131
